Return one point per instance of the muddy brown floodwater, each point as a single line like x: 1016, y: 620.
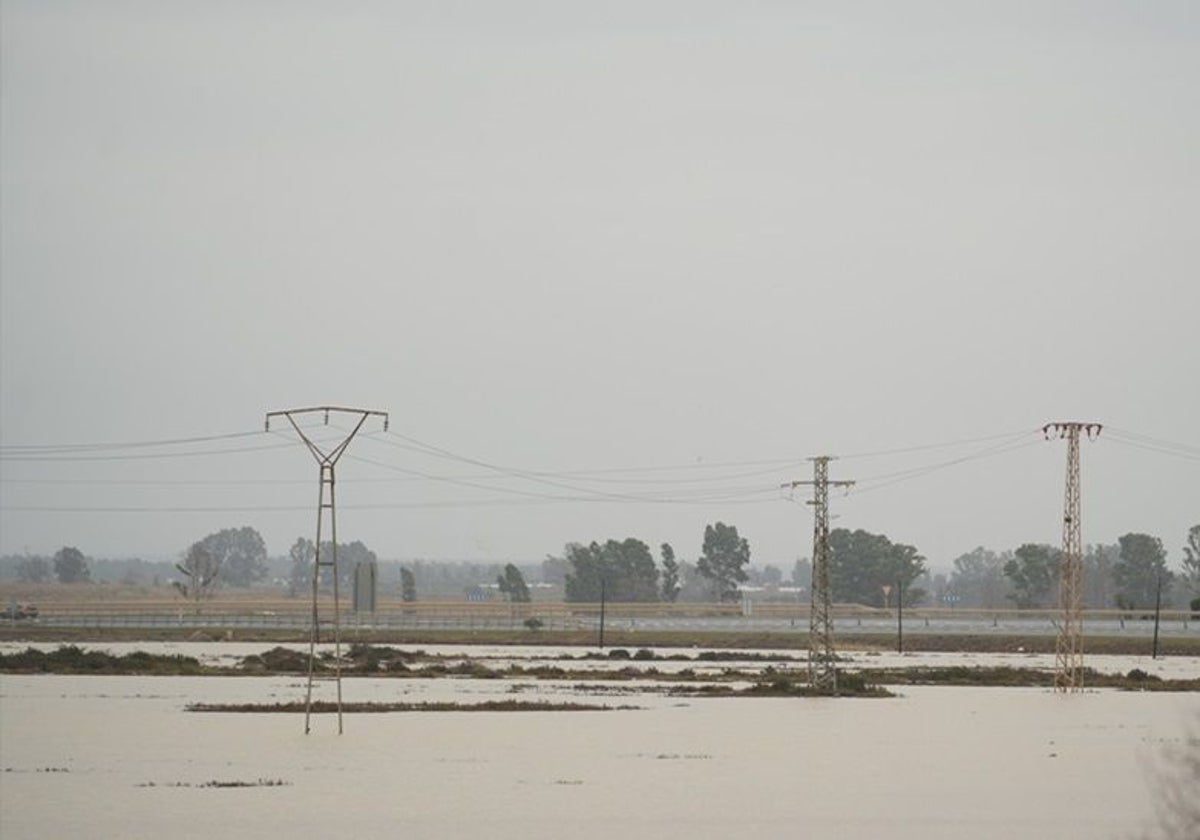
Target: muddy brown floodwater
x: 109, y: 757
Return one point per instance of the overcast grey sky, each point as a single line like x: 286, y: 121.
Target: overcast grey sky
x: 563, y: 237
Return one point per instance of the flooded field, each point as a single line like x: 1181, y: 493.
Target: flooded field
x: 120, y: 757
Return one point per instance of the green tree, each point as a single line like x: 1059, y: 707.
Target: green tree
x: 978, y: 579
x: 802, y: 573
x: 1099, y: 590
x: 34, y: 570
x: 771, y: 575
x: 1140, y: 568
x: 554, y: 570
x: 723, y: 559
x: 240, y: 553
x: 302, y: 554
x: 349, y: 555
x: 861, y: 564
x: 586, y: 579
x: 670, y: 574
x: 623, y: 571
x: 512, y: 584
x: 70, y: 566
x: 1191, y: 562
x: 906, y: 566
x: 408, y: 585
x: 1033, y: 572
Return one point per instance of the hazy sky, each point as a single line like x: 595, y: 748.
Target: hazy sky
x: 563, y: 238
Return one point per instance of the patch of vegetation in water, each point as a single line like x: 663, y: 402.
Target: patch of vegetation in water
x: 375, y: 660
x: 70, y: 659
x: 277, y: 660
x: 1139, y: 680
x: 1008, y: 676
x: 464, y: 668
x: 735, y: 656
x: 357, y: 659
x: 973, y: 675
x: 325, y: 707
x: 848, y: 685
x: 647, y: 655
x: 216, y: 783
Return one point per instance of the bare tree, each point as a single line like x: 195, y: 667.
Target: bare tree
x: 199, y: 569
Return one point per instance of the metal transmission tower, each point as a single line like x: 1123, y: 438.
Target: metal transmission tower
x: 822, y: 667
x: 325, y: 505
x: 1068, y: 661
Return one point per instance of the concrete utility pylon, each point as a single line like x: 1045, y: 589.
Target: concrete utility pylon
x: 1068, y: 660
x: 822, y: 659
x: 325, y: 505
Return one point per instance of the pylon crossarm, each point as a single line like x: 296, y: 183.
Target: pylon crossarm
x: 333, y: 456
x: 325, y: 410
x: 312, y: 447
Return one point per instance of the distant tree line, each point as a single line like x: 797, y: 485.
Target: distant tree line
x: 625, y: 570
x: 1128, y: 574
x: 865, y: 568
x: 68, y: 565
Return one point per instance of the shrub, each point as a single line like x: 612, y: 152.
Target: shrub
x: 1138, y: 675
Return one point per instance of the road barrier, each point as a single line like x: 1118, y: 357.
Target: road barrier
x: 241, y: 612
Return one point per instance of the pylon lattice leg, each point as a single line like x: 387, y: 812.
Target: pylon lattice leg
x: 822, y: 661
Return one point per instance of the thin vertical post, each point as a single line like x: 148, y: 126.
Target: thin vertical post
x: 603, y: 595
x: 337, y: 601
x: 1157, y: 612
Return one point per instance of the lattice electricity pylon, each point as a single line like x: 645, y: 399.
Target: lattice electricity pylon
x: 822, y: 658
x: 326, y: 504
x: 1068, y: 650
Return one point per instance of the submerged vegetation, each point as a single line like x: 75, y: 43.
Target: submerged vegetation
x: 70, y: 659
x: 715, y: 672
x: 217, y: 783
x: 324, y: 707
x: 849, y: 685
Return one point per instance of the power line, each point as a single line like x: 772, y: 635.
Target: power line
x: 646, y: 484
x: 50, y: 456
x: 890, y: 479
x: 1148, y: 439
x: 523, y: 474
x: 166, y: 482
x: 139, y: 444
x: 778, y: 463
x: 943, y: 445
x: 1148, y: 444
x: 146, y: 456
x: 578, y: 494
x: 767, y: 497
x: 151, y: 509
